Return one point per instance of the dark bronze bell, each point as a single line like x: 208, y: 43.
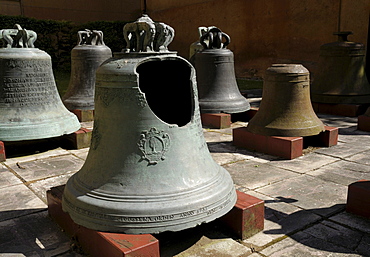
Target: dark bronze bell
x: 341, y: 76
x: 86, y: 57
x: 30, y: 106
x: 218, y: 91
x: 286, y: 108
x: 148, y: 169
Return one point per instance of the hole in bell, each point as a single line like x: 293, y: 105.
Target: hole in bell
x: 167, y: 88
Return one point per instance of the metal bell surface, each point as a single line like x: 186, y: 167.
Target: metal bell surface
x: 148, y: 169
x: 30, y: 106
x: 286, y: 108
x: 214, y: 64
x: 341, y: 76
x: 86, y: 57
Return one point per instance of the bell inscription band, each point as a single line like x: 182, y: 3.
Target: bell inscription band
x: 86, y: 57
x: 148, y: 169
x: 30, y: 106
x: 214, y: 64
x: 286, y: 108
x: 341, y: 76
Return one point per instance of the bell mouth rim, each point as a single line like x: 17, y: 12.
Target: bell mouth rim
x: 104, y: 195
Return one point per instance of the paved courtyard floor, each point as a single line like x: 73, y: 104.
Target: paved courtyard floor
x: 304, y: 200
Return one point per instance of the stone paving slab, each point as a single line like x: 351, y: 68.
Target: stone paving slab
x: 306, y: 245
x: 305, y: 163
x: 362, y: 157
x: 319, y: 196
x: 343, y: 150
x: 18, y: 200
x: 206, y: 247
x: 33, y: 157
x: 342, y: 172
x: 353, y: 221
x: 7, y: 178
x: 47, y: 167
x: 251, y: 174
x: 32, y: 235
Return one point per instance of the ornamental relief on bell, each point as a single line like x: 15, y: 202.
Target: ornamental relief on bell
x: 153, y: 145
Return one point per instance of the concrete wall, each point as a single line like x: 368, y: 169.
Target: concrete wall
x: 264, y: 32
x: 74, y: 10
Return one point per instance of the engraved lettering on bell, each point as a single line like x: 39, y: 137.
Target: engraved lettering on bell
x: 154, y: 144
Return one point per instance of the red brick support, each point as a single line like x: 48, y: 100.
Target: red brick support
x: 348, y: 110
x: 358, y: 198
x: 84, y: 115
x: 2, y: 152
x: 363, y: 123
x: 95, y: 243
x: 79, y: 139
x: 216, y: 120
x: 247, y: 216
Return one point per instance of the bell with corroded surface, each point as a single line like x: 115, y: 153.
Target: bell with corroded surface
x: 286, y: 108
x: 341, y: 76
x: 148, y: 169
x: 86, y: 57
x: 30, y: 106
x: 214, y: 64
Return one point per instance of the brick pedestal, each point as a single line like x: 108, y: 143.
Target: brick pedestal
x: 2, y: 152
x: 79, y: 139
x: 96, y: 243
x: 216, y: 120
x: 363, y: 123
x: 358, y: 198
x: 84, y: 115
x: 348, y: 110
x: 285, y: 147
x: 244, y: 220
x: 247, y: 216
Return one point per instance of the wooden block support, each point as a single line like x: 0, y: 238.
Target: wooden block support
x: 216, y: 120
x: 348, y: 110
x: 79, y: 139
x: 84, y: 115
x: 2, y: 152
x: 247, y: 216
x: 363, y: 123
x: 358, y: 198
x: 285, y: 147
x: 95, y: 243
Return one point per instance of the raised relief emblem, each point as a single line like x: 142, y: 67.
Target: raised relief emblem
x: 154, y: 144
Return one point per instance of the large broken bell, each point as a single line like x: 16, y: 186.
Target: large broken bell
x: 148, y: 169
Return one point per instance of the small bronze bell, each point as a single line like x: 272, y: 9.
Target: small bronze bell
x: 87, y: 56
x: 218, y: 90
x: 286, y: 108
x: 341, y: 76
x: 148, y: 169
x: 30, y: 106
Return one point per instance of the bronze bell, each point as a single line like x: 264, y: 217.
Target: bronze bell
x: 148, y: 169
x: 30, y: 106
x: 86, y: 56
x: 286, y: 108
x: 214, y: 64
x: 341, y: 77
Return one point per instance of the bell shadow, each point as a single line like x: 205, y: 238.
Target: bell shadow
x: 313, y: 229
x: 173, y: 243
x: 30, y: 232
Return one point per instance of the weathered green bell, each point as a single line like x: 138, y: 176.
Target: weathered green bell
x: 86, y: 57
x: 286, y: 108
x: 214, y: 64
x: 341, y: 76
x: 148, y: 169
x: 30, y: 106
